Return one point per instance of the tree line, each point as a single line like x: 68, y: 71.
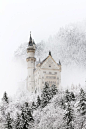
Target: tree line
x: 24, y: 117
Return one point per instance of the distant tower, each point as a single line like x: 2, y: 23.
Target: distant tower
x: 31, y: 65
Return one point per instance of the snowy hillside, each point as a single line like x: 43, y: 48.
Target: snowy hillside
x: 62, y: 110
x: 68, y: 45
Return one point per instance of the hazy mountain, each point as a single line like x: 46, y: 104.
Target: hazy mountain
x: 68, y: 45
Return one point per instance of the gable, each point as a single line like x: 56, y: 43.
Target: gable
x: 49, y: 63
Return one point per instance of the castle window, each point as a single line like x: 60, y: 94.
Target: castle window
x: 49, y: 72
x: 49, y: 65
x: 55, y: 72
x: 44, y: 71
x: 46, y: 76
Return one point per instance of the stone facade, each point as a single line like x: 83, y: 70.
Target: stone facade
x: 46, y: 71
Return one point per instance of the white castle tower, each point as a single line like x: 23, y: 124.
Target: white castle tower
x: 31, y: 65
x: 45, y: 71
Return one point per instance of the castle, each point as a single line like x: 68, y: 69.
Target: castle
x: 46, y: 71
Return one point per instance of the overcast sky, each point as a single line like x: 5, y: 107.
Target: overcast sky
x: 42, y: 17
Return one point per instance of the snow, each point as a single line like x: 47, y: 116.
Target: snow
x: 51, y: 116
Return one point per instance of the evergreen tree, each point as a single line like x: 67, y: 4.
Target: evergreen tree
x: 82, y: 103
x: 18, y: 124
x: 72, y: 96
x: 68, y: 117
x: 3, y: 107
x: 38, y: 101
x: 62, y: 103
x: 5, y: 98
x: 46, y: 95
x: 82, y: 107
x: 54, y: 90
x: 33, y: 106
x: 8, y: 124
x: 26, y: 116
x: 67, y: 96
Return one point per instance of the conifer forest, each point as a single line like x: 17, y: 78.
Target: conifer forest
x: 53, y: 109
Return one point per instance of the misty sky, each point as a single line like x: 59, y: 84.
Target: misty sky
x: 42, y: 17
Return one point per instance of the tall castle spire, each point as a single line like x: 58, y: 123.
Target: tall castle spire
x: 50, y: 53
x: 31, y: 64
x: 30, y: 40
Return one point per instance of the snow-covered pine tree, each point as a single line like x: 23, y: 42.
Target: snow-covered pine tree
x: 69, y: 113
x: 82, y: 107
x: 62, y: 103
x: 68, y: 117
x: 38, y: 101
x: 72, y: 96
x: 26, y: 116
x: 82, y: 102
x: 5, y: 98
x: 33, y: 106
x: 67, y: 96
x: 18, y: 124
x: 54, y: 90
x: 46, y: 95
x: 5, y: 103
x: 3, y: 107
x: 8, y: 124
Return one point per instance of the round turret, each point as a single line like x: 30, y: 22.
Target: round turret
x: 31, y: 64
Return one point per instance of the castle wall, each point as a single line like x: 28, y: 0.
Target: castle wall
x: 51, y: 76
